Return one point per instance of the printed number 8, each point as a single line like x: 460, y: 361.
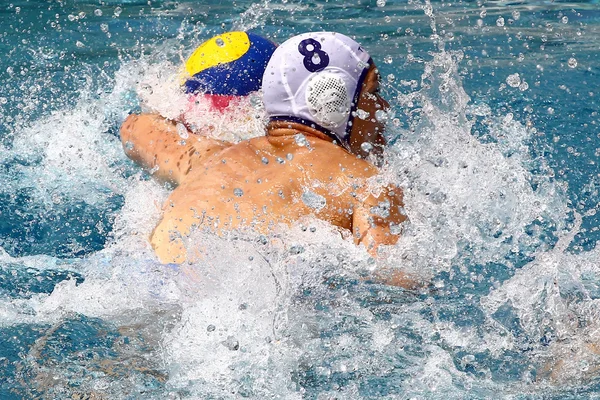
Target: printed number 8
x: 315, y: 59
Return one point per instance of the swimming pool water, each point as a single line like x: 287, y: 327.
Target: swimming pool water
x: 495, y: 140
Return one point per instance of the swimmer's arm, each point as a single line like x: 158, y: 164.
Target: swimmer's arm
x: 154, y: 142
x: 372, y: 223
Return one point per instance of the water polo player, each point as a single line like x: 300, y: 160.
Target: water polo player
x: 309, y: 163
x: 219, y: 76
x: 221, y: 73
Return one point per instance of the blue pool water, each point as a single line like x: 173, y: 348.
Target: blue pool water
x: 495, y: 140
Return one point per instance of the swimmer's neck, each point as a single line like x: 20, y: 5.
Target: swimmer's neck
x: 285, y: 128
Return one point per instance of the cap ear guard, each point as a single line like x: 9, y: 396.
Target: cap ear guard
x: 327, y: 99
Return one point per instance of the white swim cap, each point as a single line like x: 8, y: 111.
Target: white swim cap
x: 315, y: 79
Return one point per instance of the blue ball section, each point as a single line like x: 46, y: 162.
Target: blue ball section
x: 239, y: 77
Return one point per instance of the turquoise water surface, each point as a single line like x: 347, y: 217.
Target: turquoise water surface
x: 495, y: 140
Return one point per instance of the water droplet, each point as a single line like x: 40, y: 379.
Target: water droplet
x: 391, y: 78
x: 211, y: 328
x: 483, y: 13
x: 313, y: 200
x: 98, y: 12
x: 362, y: 114
x: 220, y: 42
x: 500, y: 21
x: 289, y: 156
x: 118, y: 11
x: 523, y: 86
x: 382, y: 116
x: 572, y: 62
x: 231, y: 343
x: 104, y: 27
x: 388, y: 59
x: 550, y: 110
x: 280, y: 160
x: 301, y: 140
x: 238, y: 192
x: 182, y: 131
x: 71, y: 17
x: 564, y: 20
x: 516, y: 15
x: 79, y: 44
x: 381, y: 3
x: 513, y: 80
x: 366, y: 146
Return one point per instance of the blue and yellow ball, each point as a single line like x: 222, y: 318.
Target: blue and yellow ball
x: 231, y: 64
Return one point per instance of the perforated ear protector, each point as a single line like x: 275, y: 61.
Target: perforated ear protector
x: 327, y: 99
x: 316, y: 78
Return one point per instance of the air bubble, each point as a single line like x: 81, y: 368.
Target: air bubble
x: 564, y: 20
x: 381, y: 3
x: 391, y: 78
x: 366, y: 147
x: 238, y: 192
x: 500, y: 21
x: 98, y: 12
x: 388, y: 59
x: 118, y: 11
x: 265, y: 160
x: 516, y: 15
x: 220, y: 42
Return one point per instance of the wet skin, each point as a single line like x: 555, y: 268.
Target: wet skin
x: 293, y: 171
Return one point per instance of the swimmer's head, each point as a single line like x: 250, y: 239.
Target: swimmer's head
x: 316, y: 79
x: 231, y: 64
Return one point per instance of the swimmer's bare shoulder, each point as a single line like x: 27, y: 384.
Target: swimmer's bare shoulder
x: 375, y: 210
x: 156, y: 144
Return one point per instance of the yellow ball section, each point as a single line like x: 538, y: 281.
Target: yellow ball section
x: 221, y: 49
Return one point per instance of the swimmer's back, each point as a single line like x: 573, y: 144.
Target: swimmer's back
x: 279, y: 179
x: 266, y: 181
